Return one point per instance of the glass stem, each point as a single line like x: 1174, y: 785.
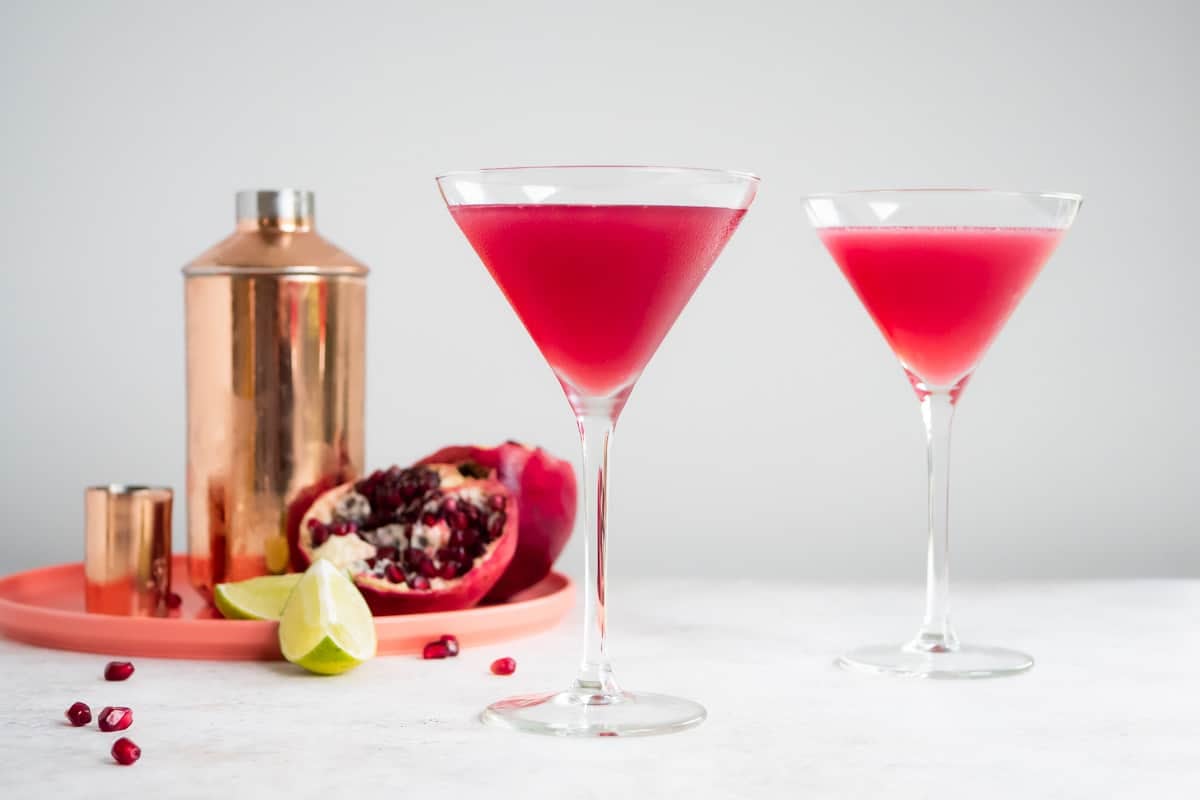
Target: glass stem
x: 936, y: 636
x: 595, y: 671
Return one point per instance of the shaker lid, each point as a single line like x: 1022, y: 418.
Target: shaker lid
x: 276, y: 234
x: 279, y: 208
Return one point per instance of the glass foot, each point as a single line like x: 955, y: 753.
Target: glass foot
x: 577, y: 712
x: 966, y: 661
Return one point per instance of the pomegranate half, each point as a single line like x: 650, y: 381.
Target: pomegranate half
x: 544, y: 489
x: 433, y: 537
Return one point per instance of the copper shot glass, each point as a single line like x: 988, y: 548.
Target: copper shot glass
x: 127, y: 557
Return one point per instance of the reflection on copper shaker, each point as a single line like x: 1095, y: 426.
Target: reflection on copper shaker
x: 276, y: 334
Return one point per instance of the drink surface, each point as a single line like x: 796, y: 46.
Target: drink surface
x: 940, y: 294
x: 597, y: 286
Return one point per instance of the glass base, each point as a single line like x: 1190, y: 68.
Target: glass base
x: 966, y: 661
x: 577, y: 712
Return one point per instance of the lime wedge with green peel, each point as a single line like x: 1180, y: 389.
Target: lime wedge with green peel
x: 326, y: 626
x: 257, y: 598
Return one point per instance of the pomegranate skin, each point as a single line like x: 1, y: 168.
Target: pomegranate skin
x: 546, y: 495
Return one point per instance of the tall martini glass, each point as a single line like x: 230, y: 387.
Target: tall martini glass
x: 597, y: 262
x: 940, y: 271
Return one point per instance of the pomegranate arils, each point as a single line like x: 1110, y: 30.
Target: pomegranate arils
x: 419, y: 582
x: 394, y: 573
x: 79, y: 714
x: 125, y: 752
x: 118, y: 670
x: 504, y: 666
x: 428, y: 568
x: 114, y: 718
x: 451, y: 643
x: 173, y: 600
x: 448, y: 571
x: 438, y: 649
x: 496, y: 502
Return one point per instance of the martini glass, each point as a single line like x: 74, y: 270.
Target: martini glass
x: 940, y: 271
x: 597, y: 262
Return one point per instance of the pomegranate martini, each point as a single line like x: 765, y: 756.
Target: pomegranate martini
x: 940, y: 272
x: 597, y: 262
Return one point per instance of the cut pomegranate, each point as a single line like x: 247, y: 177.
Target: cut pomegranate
x: 451, y: 643
x: 79, y: 714
x: 544, y: 488
x: 438, y: 649
x: 427, y: 538
x: 114, y: 718
x: 125, y: 752
x: 504, y: 666
x: 118, y: 670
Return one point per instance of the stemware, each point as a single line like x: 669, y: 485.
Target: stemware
x: 940, y: 271
x: 597, y: 262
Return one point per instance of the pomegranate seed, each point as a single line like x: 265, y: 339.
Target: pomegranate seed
x: 413, y: 556
x: 115, y: 718
x: 319, y: 537
x: 118, y: 670
x: 496, y: 524
x: 448, y: 571
x: 419, y: 582
x: 79, y: 714
x: 451, y: 643
x: 451, y: 505
x: 504, y: 666
x: 174, y: 600
x: 459, y: 519
x: 438, y: 649
x: 429, y: 519
x: 125, y: 752
x: 428, y: 568
x: 496, y: 502
x: 313, y: 524
x: 394, y: 573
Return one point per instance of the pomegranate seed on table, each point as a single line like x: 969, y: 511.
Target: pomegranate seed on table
x: 115, y: 718
x: 118, y: 670
x: 451, y: 643
x: 125, y: 752
x: 504, y: 666
x: 79, y: 714
x: 174, y: 600
x: 438, y: 649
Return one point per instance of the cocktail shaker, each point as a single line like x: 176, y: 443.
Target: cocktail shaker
x: 275, y: 365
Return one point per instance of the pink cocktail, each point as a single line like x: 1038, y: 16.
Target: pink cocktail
x: 597, y: 287
x: 597, y: 262
x: 940, y: 295
x: 940, y: 271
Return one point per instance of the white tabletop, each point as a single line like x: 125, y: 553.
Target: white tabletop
x: 1112, y: 708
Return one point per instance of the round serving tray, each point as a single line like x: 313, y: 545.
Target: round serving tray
x: 45, y: 607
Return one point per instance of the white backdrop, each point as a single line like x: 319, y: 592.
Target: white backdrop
x: 773, y: 433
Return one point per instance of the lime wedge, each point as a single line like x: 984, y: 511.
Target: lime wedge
x: 257, y: 598
x: 326, y: 626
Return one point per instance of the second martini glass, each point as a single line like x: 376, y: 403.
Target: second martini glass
x: 597, y: 262
x: 940, y: 271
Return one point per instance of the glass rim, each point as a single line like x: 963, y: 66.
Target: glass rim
x: 650, y: 168
x: 966, y: 190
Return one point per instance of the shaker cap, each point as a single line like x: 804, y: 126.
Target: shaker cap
x: 275, y: 235
x: 285, y: 209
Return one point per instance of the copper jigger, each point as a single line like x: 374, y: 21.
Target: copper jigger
x: 127, y: 556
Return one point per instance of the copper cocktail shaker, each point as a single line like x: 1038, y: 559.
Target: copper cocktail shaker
x: 275, y: 360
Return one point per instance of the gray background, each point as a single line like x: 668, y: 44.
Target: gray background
x: 773, y: 433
